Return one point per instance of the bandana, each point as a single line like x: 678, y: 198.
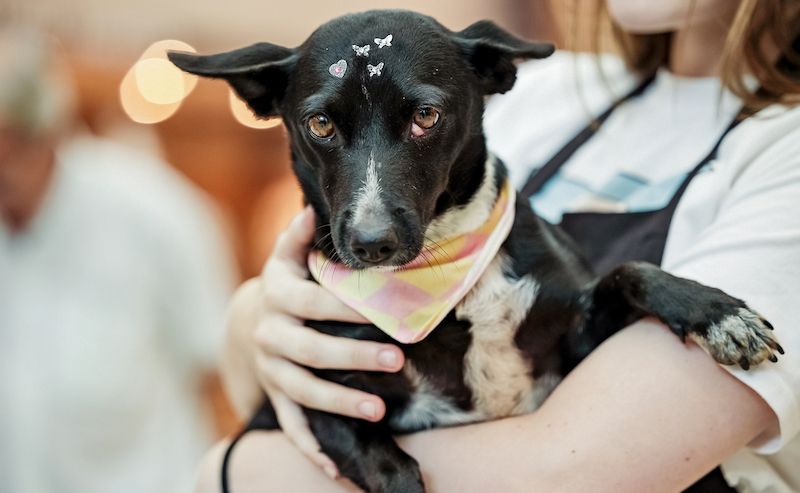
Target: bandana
x: 409, y: 302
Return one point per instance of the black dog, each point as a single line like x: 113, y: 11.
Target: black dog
x: 414, y: 106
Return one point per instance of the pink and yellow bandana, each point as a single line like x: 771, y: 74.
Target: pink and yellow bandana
x: 409, y: 302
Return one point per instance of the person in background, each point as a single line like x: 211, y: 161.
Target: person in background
x: 114, y: 277
x: 695, y: 164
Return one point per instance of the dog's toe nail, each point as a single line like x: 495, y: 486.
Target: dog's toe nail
x: 773, y: 358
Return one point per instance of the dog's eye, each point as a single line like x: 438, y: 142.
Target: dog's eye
x: 425, y: 118
x: 320, y: 126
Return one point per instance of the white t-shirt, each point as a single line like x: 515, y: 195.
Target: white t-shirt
x: 111, y: 307
x: 736, y: 228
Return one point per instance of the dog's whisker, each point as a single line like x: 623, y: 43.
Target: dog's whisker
x: 426, y: 258
x: 433, y: 253
x: 438, y: 265
x: 319, y: 242
x: 439, y: 249
x: 442, y: 252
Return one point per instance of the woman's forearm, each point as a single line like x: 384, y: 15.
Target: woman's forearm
x: 643, y: 413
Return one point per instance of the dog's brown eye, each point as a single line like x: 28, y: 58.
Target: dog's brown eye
x: 426, y: 117
x: 321, y: 126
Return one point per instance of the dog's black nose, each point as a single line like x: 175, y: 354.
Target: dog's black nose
x: 374, y: 245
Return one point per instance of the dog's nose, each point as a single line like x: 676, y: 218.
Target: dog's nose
x: 374, y: 245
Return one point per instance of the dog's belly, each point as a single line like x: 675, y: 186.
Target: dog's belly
x: 497, y: 373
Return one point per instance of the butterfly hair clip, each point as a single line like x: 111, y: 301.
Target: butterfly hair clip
x: 361, y: 50
x: 383, y: 43
x: 374, y: 69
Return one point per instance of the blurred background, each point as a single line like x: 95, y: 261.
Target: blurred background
x: 148, y: 195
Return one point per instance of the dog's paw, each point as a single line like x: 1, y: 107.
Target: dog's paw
x: 743, y: 337
x: 410, y: 482
x: 399, y: 478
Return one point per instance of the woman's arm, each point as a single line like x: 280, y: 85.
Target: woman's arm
x: 644, y: 412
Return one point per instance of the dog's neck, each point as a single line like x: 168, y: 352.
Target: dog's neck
x: 461, y: 219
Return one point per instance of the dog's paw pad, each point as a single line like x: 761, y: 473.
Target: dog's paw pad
x: 744, y: 338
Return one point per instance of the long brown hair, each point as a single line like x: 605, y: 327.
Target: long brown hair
x: 757, y: 26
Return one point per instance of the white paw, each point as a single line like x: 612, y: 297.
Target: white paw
x: 744, y: 338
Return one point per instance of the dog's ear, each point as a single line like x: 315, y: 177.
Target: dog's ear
x: 258, y: 73
x: 491, y: 52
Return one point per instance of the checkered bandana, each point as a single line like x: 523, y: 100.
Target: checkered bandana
x: 409, y: 302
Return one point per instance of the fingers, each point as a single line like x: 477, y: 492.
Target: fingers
x: 292, y: 244
x: 302, y: 387
x: 284, y: 278
x: 295, y: 425
x: 317, y: 350
x: 304, y: 299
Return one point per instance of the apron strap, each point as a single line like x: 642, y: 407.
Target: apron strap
x: 541, y: 175
x: 712, y: 155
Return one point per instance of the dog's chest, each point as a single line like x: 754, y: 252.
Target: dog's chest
x: 494, y: 369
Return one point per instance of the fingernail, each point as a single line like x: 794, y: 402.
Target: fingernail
x: 368, y: 409
x: 331, y: 471
x: 387, y: 359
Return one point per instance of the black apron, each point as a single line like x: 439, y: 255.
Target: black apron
x: 610, y: 239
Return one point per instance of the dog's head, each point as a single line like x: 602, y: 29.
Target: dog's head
x: 384, y: 114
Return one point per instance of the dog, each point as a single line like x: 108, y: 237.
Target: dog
x: 383, y: 110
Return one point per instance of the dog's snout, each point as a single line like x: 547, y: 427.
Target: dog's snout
x: 373, y: 245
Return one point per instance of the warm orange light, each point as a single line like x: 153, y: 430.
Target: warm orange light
x: 245, y: 116
x: 159, y: 81
x: 159, y: 50
x: 153, y: 88
x: 137, y: 107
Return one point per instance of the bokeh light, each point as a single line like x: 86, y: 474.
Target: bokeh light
x: 153, y: 89
x: 159, y: 81
x: 137, y: 107
x: 159, y: 50
x: 245, y: 116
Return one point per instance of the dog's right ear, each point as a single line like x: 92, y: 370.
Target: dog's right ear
x: 491, y: 51
x: 258, y: 73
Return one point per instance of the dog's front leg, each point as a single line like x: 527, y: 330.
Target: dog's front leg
x: 729, y: 330
x: 366, y: 453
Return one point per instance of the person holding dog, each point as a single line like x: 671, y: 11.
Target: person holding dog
x: 692, y: 148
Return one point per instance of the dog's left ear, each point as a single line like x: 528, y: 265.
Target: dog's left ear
x: 491, y: 52
x: 258, y: 73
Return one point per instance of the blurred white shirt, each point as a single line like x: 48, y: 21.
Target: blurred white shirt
x: 111, y: 309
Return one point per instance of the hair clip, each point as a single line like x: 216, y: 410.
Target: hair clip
x: 382, y: 43
x: 374, y: 69
x: 338, y: 69
x: 361, y: 50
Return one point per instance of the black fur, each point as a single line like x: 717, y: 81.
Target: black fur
x: 423, y: 178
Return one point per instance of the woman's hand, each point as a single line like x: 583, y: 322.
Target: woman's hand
x: 267, y: 343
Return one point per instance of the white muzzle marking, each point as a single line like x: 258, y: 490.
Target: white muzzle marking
x: 368, y: 197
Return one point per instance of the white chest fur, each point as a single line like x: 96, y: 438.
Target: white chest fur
x: 494, y: 368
